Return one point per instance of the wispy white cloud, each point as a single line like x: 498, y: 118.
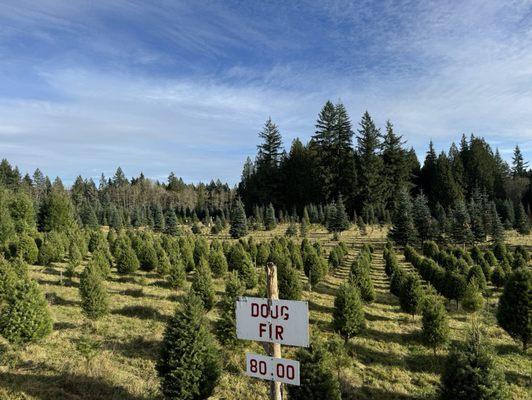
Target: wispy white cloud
x: 436, y: 69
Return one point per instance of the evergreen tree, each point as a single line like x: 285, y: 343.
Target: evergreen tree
x: 461, y: 224
x: 177, y: 275
x: 158, y: 218
x: 290, y: 287
x: 470, y: 372
x: 56, y: 212
x: 269, y: 152
x: 472, y: 300
x: 497, y: 228
x: 239, y: 226
x: 269, y: 218
x: 217, y: 262
x: 202, y: 284
x: 435, y: 324
x: 171, y: 225
x: 411, y: 294
x: 314, y: 266
x: 348, y: 314
x: 24, y: 313
x: 126, y: 260
x: 513, y: 313
x: 519, y: 166
x: 94, y: 298
x: 422, y: 218
x: 339, y: 221
x: 226, y: 325
x: 369, y: 162
x: 476, y: 274
x: 498, y: 277
x: 403, y: 231
x: 522, y: 224
x: 238, y: 259
x: 189, y: 365
x: 396, y: 171
x: 317, y: 380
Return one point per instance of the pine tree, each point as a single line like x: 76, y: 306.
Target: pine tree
x: 519, y: 166
x: 202, y: 284
x: 269, y: 218
x: 269, y: 152
x: 497, y: 228
x: 171, y: 225
x: 126, y: 259
x: 27, y: 249
x: 471, y: 373
x: 476, y: 274
x: 94, y: 298
x: 339, y: 220
x: 395, y: 161
x: 177, y: 275
x: 370, y: 163
x: 435, y: 324
x: 189, y: 365
x: 290, y: 287
x: 461, y: 224
x: 74, y: 259
x: 217, y: 262
x: 422, y: 217
x: 348, y: 314
x: 403, y: 231
x: 513, y: 313
x: 522, y: 224
x: 226, y: 325
x: 314, y: 266
x: 498, y: 277
x: 472, y: 300
x: 317, y: 380
x: 239, y: 226
x: 411, y: 294
x: 238, y: 259
x: 24, y: 315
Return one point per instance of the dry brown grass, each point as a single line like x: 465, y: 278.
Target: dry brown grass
x: 386, y: 362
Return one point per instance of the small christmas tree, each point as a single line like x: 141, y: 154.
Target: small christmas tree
x: 411, y: 294
x: 126, y: 259
x: 94, y: 299
x: 218, y: 262
x: 470, y: 372
x: 189, y: 364
x: 317, y: 379
x: 513, y: 313
x: 202, y: 284
x: 176, y: 275
x: 269, y: 218
x: 348, y: 314
x: 472, y: 300
x: 24, y: 315
x: 226, y: 325
x: 435, y: 324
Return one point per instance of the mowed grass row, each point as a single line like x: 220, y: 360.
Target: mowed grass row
x: 387, y: 361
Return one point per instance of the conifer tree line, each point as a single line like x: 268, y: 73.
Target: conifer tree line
x: 367, y: 167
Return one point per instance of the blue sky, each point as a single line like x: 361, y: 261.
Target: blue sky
x: 165, y: 86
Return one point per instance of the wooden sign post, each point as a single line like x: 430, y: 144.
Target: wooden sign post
x: 273, y: 322
x: 274, y: 348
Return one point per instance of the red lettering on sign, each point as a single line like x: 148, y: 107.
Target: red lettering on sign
x: 262, y: 329
x: 279, y: 332
x: 254, y: 310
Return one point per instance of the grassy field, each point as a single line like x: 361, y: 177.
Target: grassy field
x: 114, y: 358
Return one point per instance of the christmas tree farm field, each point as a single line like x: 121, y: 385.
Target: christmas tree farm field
x: 115, y: 356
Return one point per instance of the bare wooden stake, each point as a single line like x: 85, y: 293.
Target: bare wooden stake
x: 274, y: 348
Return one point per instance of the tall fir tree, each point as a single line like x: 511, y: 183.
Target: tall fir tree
x: 403, y: 231
x: 519, y: 165
x: 370, y: 166
x: 94, y: 297
x: 239, y: 225
x: 270, y: 221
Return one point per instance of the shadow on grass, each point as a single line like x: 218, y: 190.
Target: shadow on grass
x: 137, y: 293
x: 122, y: 279
x: 136, y: 348
x: 63, y: 386
x: 370, y: 356
x: 373, y: 317
x: 161, y: 283
x: 56, y: 300
x: 141, y: 312
x: 325, y: 288
x: 313, y: 306
x: 518, y: 379
x: 63, y: 283
x: 396, y: 337
x: 63, y: 326
x: 429, y: 363
x: 505, y: 349
x: 371, y: 393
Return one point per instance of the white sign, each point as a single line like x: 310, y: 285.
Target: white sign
x: 272, y: 369
x: 284, y: 321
